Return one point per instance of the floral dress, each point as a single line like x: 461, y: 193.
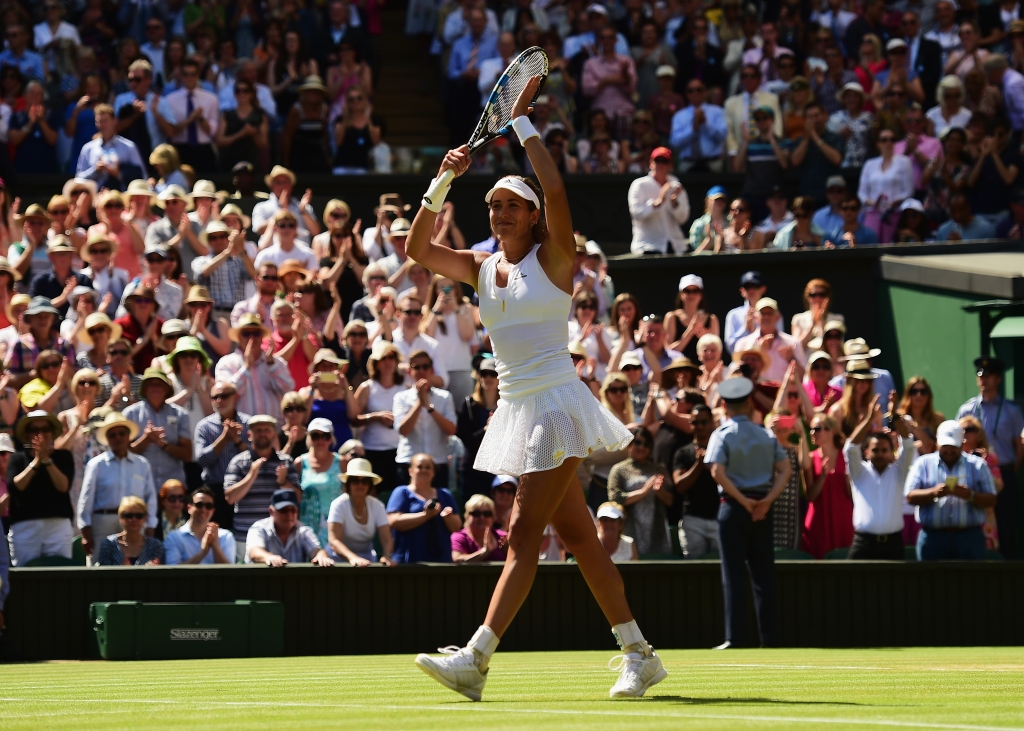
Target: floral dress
x: 319, y: 490
x: 857, y: 143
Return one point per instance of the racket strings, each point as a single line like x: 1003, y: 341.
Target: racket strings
x: 518, y: 76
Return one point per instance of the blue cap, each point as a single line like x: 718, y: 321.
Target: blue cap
x: 752, y: 278
x: 283, y: 498
x: 717, y: 191
x: 735, y: 389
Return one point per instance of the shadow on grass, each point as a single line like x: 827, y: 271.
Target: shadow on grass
x: 690, y: 701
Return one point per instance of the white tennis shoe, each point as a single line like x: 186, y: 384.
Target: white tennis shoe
x: 458, y: 670
x: 636, y: 674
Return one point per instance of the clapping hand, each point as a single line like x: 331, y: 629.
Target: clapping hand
x: 281, y: 473
x: 43, y: 446
x: 307, y: 198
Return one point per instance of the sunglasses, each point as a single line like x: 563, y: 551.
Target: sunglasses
x: 143, y: 300
x: 85, y: 382
x: 886, y: 140
x: 270, y: 278
x: 95, y: 250
x: 690, y: 290
x: 737, y: 209
x: 421, y: 367
x: 293, y: 409
x: 792, y: 394
x: 971, y: 430
x: 132, y: 516
x: 248, y: 334
x: 221, y: 396
x: 65, y: 211
x: 113, y: 204
x: 410, y: 313
x: 817, y: 295
x: 586, y: 306
x: 508, y: 490
x: 320, y: 437
x: 481, y: 513
x: 918, y: 392
x: 176, y: 499
x: 338, y: 214
x: 47, y: 366
x: 488, y: 374
x: 816, y: 429
x: 203, y: 505
x: 286, y: 225
x: 617, y: 389
x: 119, y: 352
x: 359, y: 334
x: 821, y: 365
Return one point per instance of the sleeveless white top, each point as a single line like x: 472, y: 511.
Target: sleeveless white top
x: 529, y: 328
x: 376, y: 437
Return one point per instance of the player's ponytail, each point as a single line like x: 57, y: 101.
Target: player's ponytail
x: 540, y: 229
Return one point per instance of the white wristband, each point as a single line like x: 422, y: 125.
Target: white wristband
x: 436, y: 197
x: 524, y: 129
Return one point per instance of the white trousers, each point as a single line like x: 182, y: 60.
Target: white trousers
x: 31, y: 539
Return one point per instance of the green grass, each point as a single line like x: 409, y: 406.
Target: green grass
x: 927, y: 688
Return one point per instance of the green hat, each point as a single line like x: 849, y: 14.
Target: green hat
x: 156, y: 374
x: 188, y: 344
x: 765, y: 109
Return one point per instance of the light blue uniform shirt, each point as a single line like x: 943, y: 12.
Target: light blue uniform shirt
x: 183, y: 544
x: 107, y: 479
x: 174, y: 420
x: 950, y: 511
x: 748, y: 453
x: 1002, y: 426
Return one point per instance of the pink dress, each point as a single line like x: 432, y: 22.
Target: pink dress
x: 818, y: 399
x: 463, y: 542
x: 829, y: 521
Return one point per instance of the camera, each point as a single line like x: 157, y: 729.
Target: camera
x: 431, y: 504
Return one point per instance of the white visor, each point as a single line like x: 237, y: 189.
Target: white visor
x: 517, y: 186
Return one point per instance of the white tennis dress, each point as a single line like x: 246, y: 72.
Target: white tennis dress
x: 545, y: 413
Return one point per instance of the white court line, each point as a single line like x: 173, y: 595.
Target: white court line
x: 630, y: 711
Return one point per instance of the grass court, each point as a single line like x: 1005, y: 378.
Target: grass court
x: 917, y: 688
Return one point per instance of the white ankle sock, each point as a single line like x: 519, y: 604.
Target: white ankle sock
x: 630, y: 638
x: 483, y: 644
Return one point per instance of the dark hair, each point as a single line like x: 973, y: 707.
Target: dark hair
x: 321, y: 300
x: 752, y: 66
x: 583, y: 297
x: 204, y: 490
x: 692, y: 396
x: 702, y: 409
x: 190, y: 62
x: 816, y: 104
x: 804, y: 203
x: 642, y: 431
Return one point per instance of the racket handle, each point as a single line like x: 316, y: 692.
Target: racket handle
x: 439, y: 185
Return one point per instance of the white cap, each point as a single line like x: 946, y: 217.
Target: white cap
x: 895, y: 43
x: 6, y: 445
x: 609, y: 511
x: 664, y: 70
x: 950, y: 434
x: 597, y: 8
x: 517, y: 186
x: 691, y: 280
x: 502, y: 479
x: 766, y: 303
x: 322, y: 425
x: 593, y: 248
x: 629, y: 358
x: 911, y: 204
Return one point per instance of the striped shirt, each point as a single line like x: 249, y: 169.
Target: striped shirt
x: 226, y: 283
x: 259, y: 388
x: 256, y: 503
x: 950, y: 512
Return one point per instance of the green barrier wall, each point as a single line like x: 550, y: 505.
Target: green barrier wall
x: 409, y: 609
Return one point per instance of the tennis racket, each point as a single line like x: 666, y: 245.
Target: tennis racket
x: 497, y: 115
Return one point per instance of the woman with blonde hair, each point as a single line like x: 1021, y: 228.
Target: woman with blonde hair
x: 479, y: 540
x: 614, y: 396
x: 857, y: 394
x: 85, y: 386
x: 917, y: 407
x: 950, y: 112
x: 829, y: 520
x: 375, y: 400
x: 165, y: 160
x: 976, y: 443
x: 810, y: 323
x: 610, y: 531
x: 712, y: 367
x: 131, y: 547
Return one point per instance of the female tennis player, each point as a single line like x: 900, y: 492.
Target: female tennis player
x: 547, y: 421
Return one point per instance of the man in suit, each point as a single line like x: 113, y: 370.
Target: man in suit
x: 739, y: 109
x: 925, y: 56
x: 870, y: 22
x: 341, y: 24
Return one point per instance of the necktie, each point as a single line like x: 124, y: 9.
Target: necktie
x: 193, y: 127
x: 471, y: 61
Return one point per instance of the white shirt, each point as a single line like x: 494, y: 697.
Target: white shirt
x: 426, y: 436
x: 276, y: 255
x: 420, y: 342
x: 357, y: 537
x: 960, y: 119
x: 654, y: 228
x: 777, y: 368
x: 377, y: 244
x: 589, y: 344
x: 43, y: 35
x: 878, y: 498
x: 201, y: 99
x: 895, y: 182
x: 265, y: 210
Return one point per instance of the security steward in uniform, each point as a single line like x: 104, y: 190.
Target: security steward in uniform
x: 751, y: 470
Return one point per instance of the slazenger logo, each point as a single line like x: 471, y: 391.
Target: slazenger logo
x: 201, y: 635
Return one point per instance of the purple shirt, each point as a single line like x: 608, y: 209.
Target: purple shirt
x: 463, y: 542
x: 612, y: 100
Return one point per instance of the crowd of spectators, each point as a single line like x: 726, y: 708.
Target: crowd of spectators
x: 98, y: 89
x: 910, y: 111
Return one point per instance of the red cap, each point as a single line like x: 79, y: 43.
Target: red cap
x: 661, y: 152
